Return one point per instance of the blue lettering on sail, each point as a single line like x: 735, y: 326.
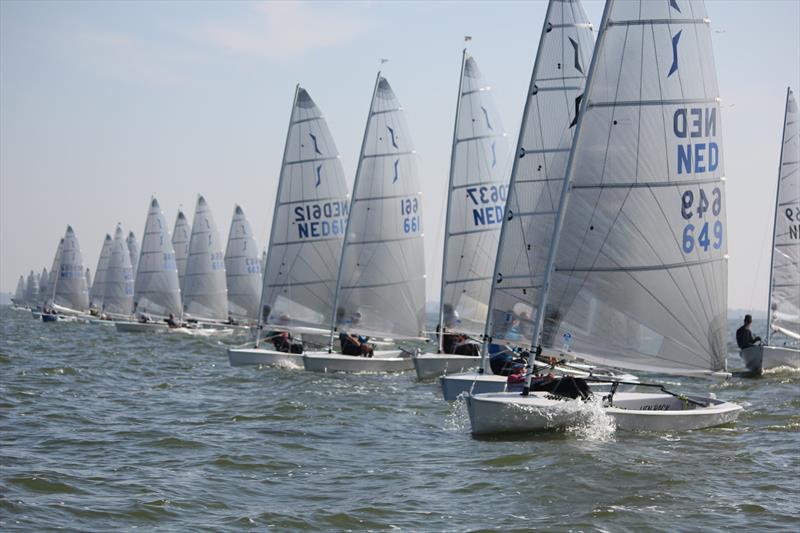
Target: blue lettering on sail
x: 314, y: 139
x: 674, y: 66
x: 319, y: 220
x: 489, y: 204
x: 696, y: 123
x: 319, y: 177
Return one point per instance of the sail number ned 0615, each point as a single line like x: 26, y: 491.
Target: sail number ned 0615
x: 409, y: 211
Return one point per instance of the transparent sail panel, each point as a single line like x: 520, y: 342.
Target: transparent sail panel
x: 308, y: 225
x: 204, y: 287
x: 180, y: 243
x: 242, y: 269
x: 71, y: 289
x: 118, y: 286
x: 382, y: 284
x: 98, y: 287
x: 156, y: 288
x: 640, y: 278
x: 478, y: 190
x: 559, y: 77
x: 784, y: 313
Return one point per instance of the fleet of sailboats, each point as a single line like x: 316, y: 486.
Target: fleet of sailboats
x: 603, y: 252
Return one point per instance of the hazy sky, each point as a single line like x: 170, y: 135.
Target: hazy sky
x: 103, y: 104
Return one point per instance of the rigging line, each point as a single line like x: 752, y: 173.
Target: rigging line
x: 643, y: 103
x: 648, y: 184
x: 310, y: 160
x: 308, y: 119
x: 653, y: 22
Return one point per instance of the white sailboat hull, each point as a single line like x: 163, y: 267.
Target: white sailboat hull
x: 758, y: 358
x: 500, y: 413
x: 383, y: 361
x: 139, y: 327
x: 260, y: 356
x: 433, y: 365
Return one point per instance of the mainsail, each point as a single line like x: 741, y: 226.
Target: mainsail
x: 475, y: 204
x: 204, y: 291
x: 52, y: 279
x: 98, y: 287
x: 118, y: 283
x: 70, y: 291
x: 180, y: 243
x: 784, y: 298
x: 44, y: 280
x: 156, y: 288
x: 32, y: 290
x: 133, y: 251
x: 537, y: 175
x: 19, y: 294
x: 381, y: 281
x: 242, y: 269
x: 308, y: 223
x: 638, y: 269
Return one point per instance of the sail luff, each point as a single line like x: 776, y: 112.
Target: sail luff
x: 449, y: 200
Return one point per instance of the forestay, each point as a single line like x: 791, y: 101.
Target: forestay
x: 156, y: 288
x: 639, y: 277
x: 242, y: 269
x: 133, y: 252
x: 98, y: 288
x: 537, y: 177
x: 118, y: 286
x: 477, y: 195
x: 308, y: 223
x: 71, y: 289
x: 180, y: 243
x: 205, y: 294
x: 784, y: 308
x: 381, y: 286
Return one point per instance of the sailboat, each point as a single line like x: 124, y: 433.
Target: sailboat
x: 98, y: 287
x: 305, y: 243
x: 43, y: 284
x: 155, y: 293
x: 19, y: 294
x: 68, y: 293
x: 180, y: 243
x: 476, y: 200
x: 32, y: 290
x: 381, y: 279
x: 636, y: 271
x: 782, y: 346
x: 133, y: 251
x: 242, y: 270
x: 205, y: 297
x: 118, y: 282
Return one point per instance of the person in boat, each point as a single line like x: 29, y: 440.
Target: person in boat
x: 171, y: 322
x: 143, y: 318
x: 356, y: 345
x: 462, y: 346
x: 744, y: 337
x: 232, y: 321
x: 504, y: 361
x: 284, y: 342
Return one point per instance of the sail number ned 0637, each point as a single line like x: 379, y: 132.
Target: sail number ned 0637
x: 703, y: 232
x: 409, y: 211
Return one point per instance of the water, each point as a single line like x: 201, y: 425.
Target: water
x: 100, y: 430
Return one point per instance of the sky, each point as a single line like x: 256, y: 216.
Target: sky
x: 103, y: 104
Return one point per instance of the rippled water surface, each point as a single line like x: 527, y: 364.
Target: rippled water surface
x: 101, y: 430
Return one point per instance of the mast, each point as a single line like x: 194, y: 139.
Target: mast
x: 775, y: 218
x: 562, y: 203
x: 347, y: 226
x: 261, y: 318
x: 449, y: 195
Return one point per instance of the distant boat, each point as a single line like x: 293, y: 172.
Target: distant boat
x: 118, y: 283
x: 156, y: 292
x: 19, y: 295
x: 381, y: 278
x: 242, y: 270
x: 133, y: 250
x: 180, y: 243
x: 636, y: 272
x: 783, y: 318
x: 43, y: 284
x: 204, y: 292
x: 98, y: 287
x: 32, y: 290
x: 304, y: 249
x: 476, y: 199
x: 69, y: 295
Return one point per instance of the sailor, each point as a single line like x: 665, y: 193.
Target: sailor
x: 462, y: 346
x: 504, y: 361
x: 171, y: 322
x: 744, y: 337
x: 355, y: 344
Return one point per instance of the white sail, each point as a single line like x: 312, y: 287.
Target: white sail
x: 476, y: 201
x: 70, y: 291
x: 784, y: 298
x: 44, y: 283
x: 52, y: 279
x: 32, y: 289
x: 156, y: 288
x: 180, y: 243
x: 308, y: 223
x: 242, y: 269
x: 639, y: 269
x: 98, y: 287
x: 545, y: 137
x: 133, y: 251
x: 381, y: 286
x: 19, y: 294
x: 118, y: 282
x: 205, y: 295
